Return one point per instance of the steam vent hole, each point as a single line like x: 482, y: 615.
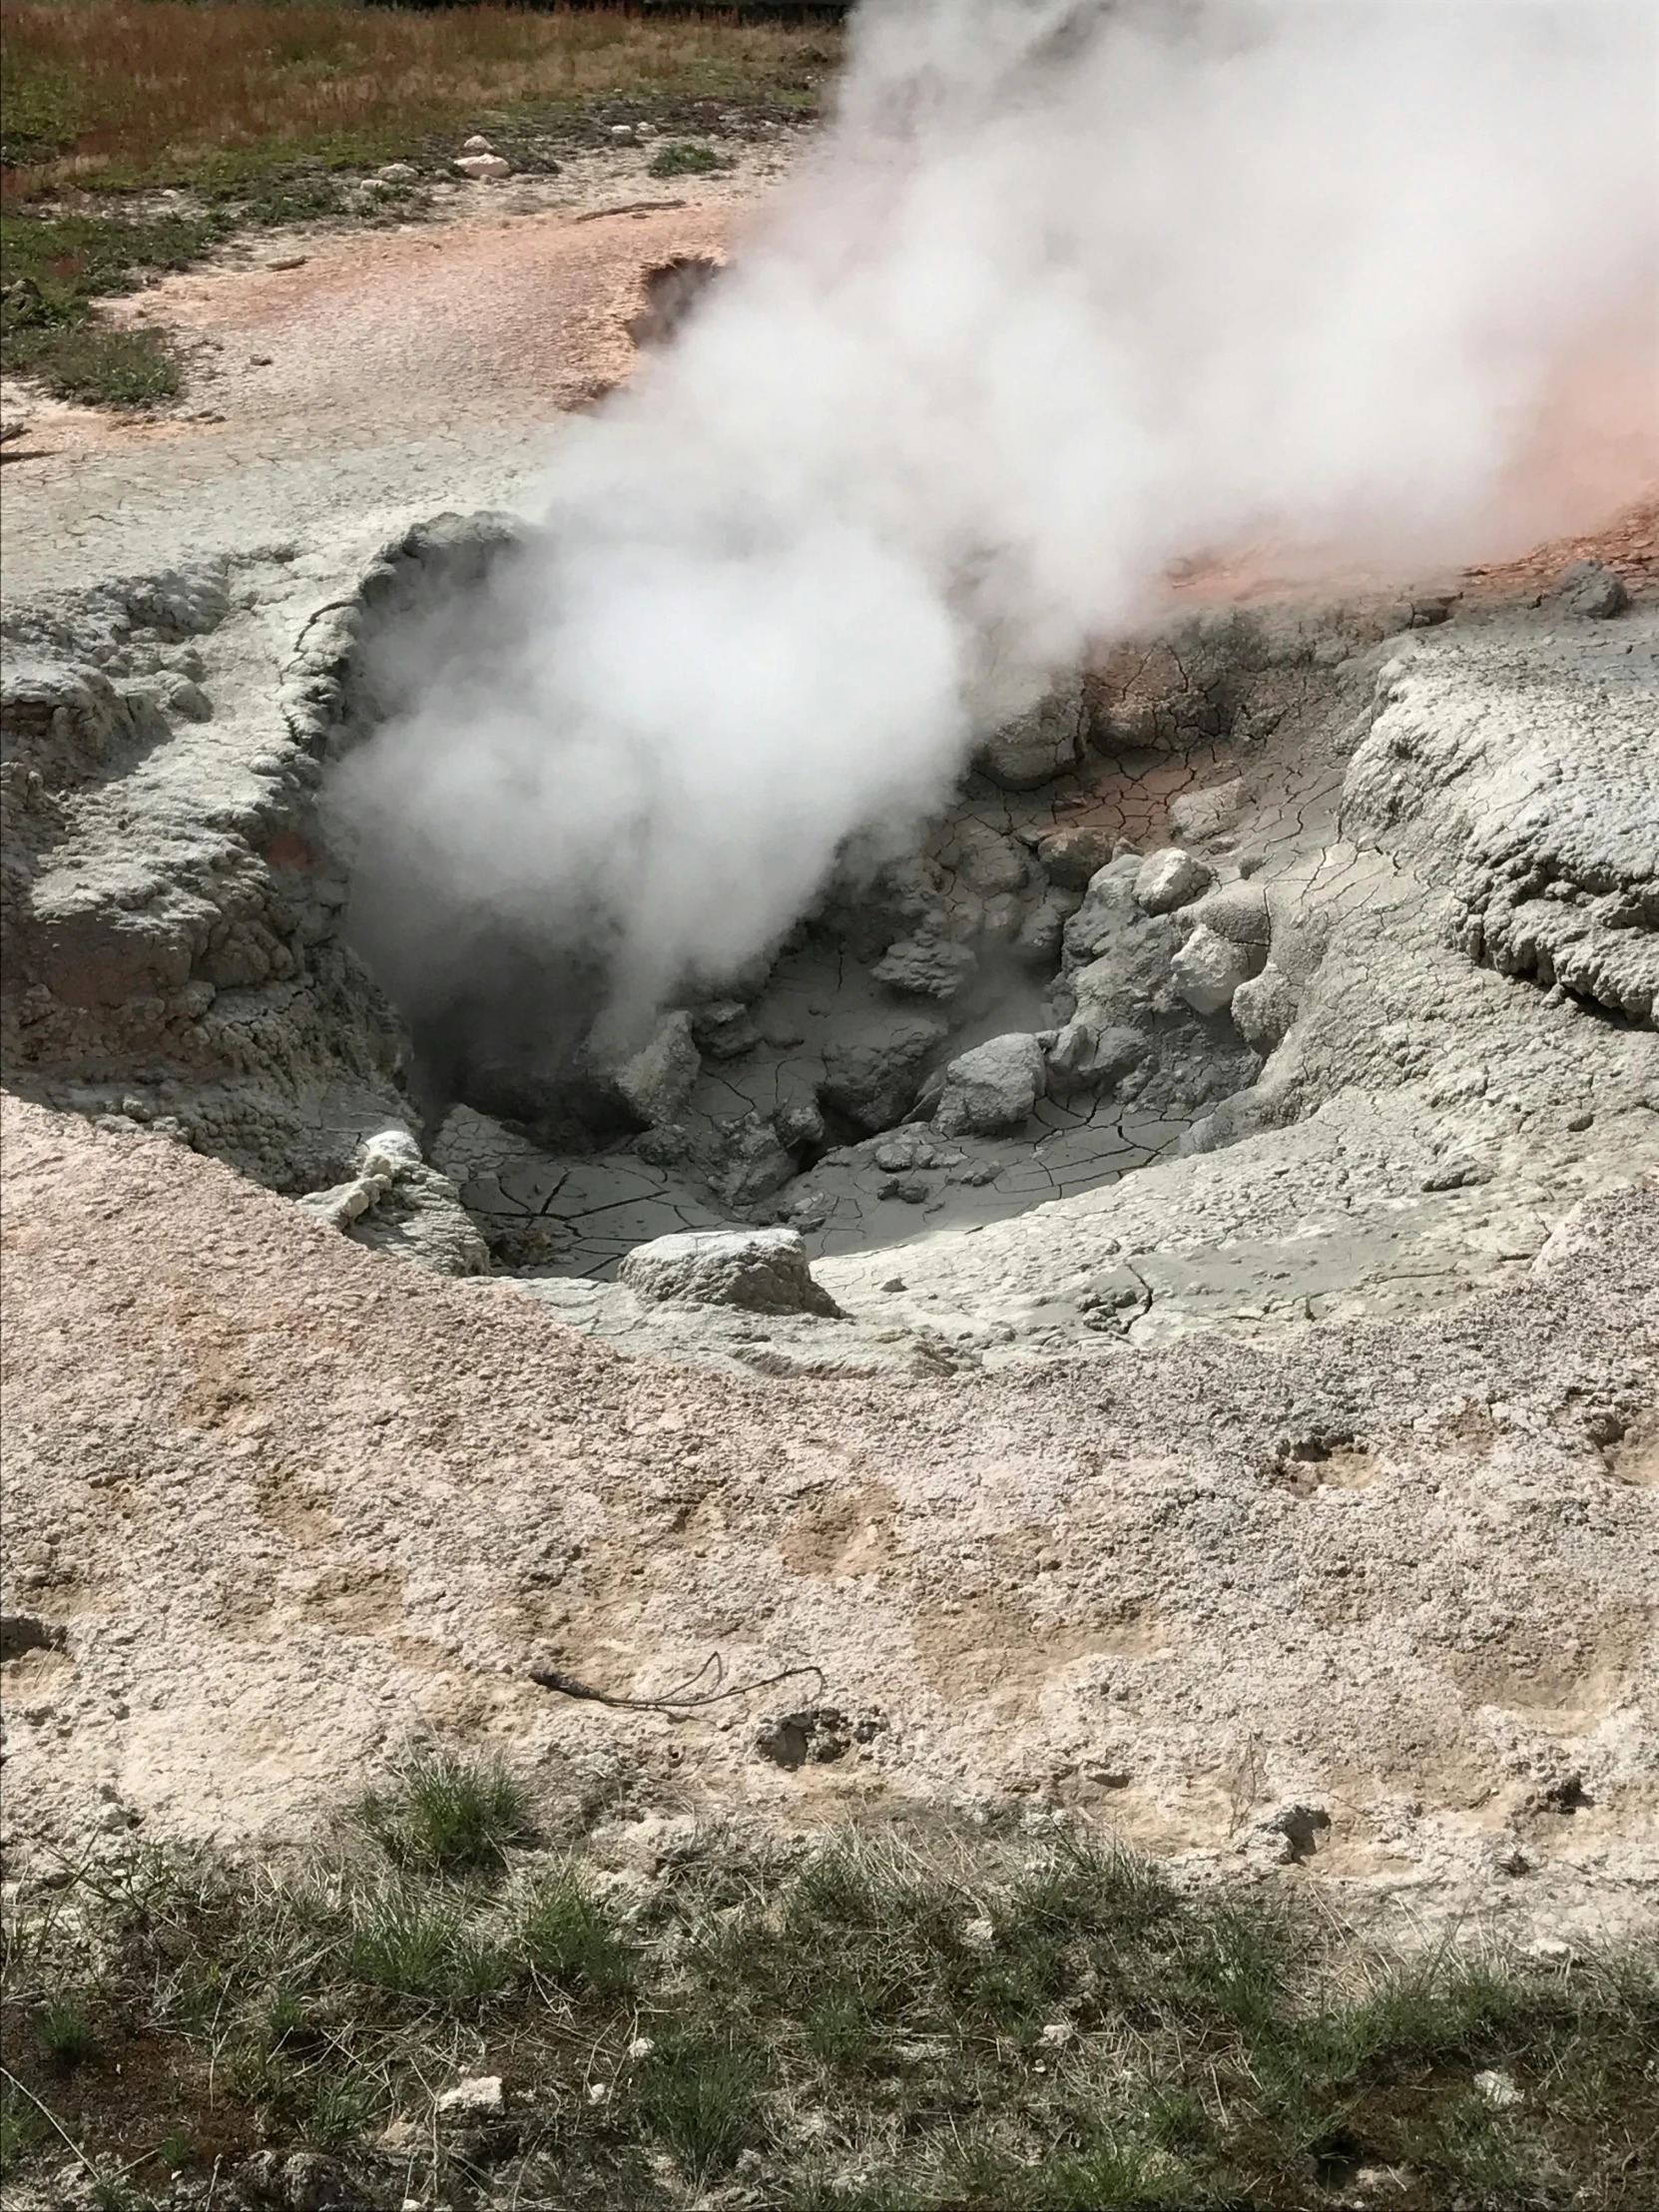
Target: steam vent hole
x: 1033, y: 1000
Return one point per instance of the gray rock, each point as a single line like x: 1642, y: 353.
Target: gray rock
x: 1070, y: 857
x: 1037, y: 944
x: 1592, y: 589
x: 1208, y: 969
x: 1238, y: 913
x: 927, y: 965
x: 871, y: 1078
x: 1264, y: 1006
x: 725, y: 1030
x: 399, y: 1205
x: 1118, y: 956
x: 657, y: 1082
x: 991, y: 1090
x: 979, y: 859
x: 752, y: 1164
x: 1085, y: 1054
x: 1207, y: 814
x: 764, y: 1271
x: 1045, y: 743
x: 1171, y: 879
x: 799, y: 1125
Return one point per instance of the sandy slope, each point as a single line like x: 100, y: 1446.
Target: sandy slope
x: 277, y: 1502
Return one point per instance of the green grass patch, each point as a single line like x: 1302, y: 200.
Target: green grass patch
x: 449, y: 1816
x: 905, y: 2018
x: 684, y: 158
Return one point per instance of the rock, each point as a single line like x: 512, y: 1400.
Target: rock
x: 1070, y: 857
x: 753, y: 1163
x: 1042, y: 744
x: 991, y: 1090
x: 980, y: 858
x: 1592, y: 589
x: 1201, y: 814
x: 764, y: 1271
x: 800, y: 1126
x: 927, y: 965
x: 1037, y: 944
x: 658, y: 1081
x: 1238, y: 913
x: 872, y: 1078
x: 725, y: 1028
x: 1208, y: 969
x: 485, y: 167
x: 1288, y: 1834
x: 1264, y: 1006
x: 478, y: 143
x: 1171, y: 879
x: 302, y: 2181
x: 475, y: 2099
x: 189, y: 700
x: 1118, y: 957
x: 909, y: 1148
x: 1085, y: 1054
x: 404, y: 173
x: 1499, y: 2089
x: 399, y: 1205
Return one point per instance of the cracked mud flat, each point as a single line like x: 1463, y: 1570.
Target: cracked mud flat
x: 1264, y: 1418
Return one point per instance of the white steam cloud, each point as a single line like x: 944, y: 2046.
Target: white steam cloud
x: 1067, y: 291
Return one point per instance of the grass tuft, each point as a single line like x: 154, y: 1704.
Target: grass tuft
x: 702, y: 2098
x: 684, y: 159
x: 568, y: 1940
x: 449, y: 1816
x: 65, y: 2035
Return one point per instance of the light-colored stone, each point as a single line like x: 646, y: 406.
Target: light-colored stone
x: 1171, y: 879
x: 1264, y: 1006
x: 484, y: 168
x: 991, y: 1090
x: 477, y: 2097
x: 1084, y: 1053
x: 657, y: 1082
x: 762, y: 1270
x: 1207, y: 814
x: 1499, y: 2089
x: 1208, y: 969
x: 1044, y: 743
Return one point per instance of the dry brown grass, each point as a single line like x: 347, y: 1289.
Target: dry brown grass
x: 121, y: 92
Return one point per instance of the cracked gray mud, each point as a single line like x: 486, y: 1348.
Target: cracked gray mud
x: 1177, y: 1229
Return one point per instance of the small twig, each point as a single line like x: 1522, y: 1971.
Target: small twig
x: 45, y: 2112
x: 675, y: 1700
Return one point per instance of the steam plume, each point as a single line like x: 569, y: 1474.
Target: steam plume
x: 1066, y: 291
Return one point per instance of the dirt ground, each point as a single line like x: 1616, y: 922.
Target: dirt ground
x: 345, y: 381
x: 277, y: 1505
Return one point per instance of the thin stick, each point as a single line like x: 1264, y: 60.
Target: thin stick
x: 48, y: 2114
x: 567, y: 1685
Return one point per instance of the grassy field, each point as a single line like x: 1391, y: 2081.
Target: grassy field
x: 897, y: 2021
x: 110, y: 95
x: 263, y: 113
